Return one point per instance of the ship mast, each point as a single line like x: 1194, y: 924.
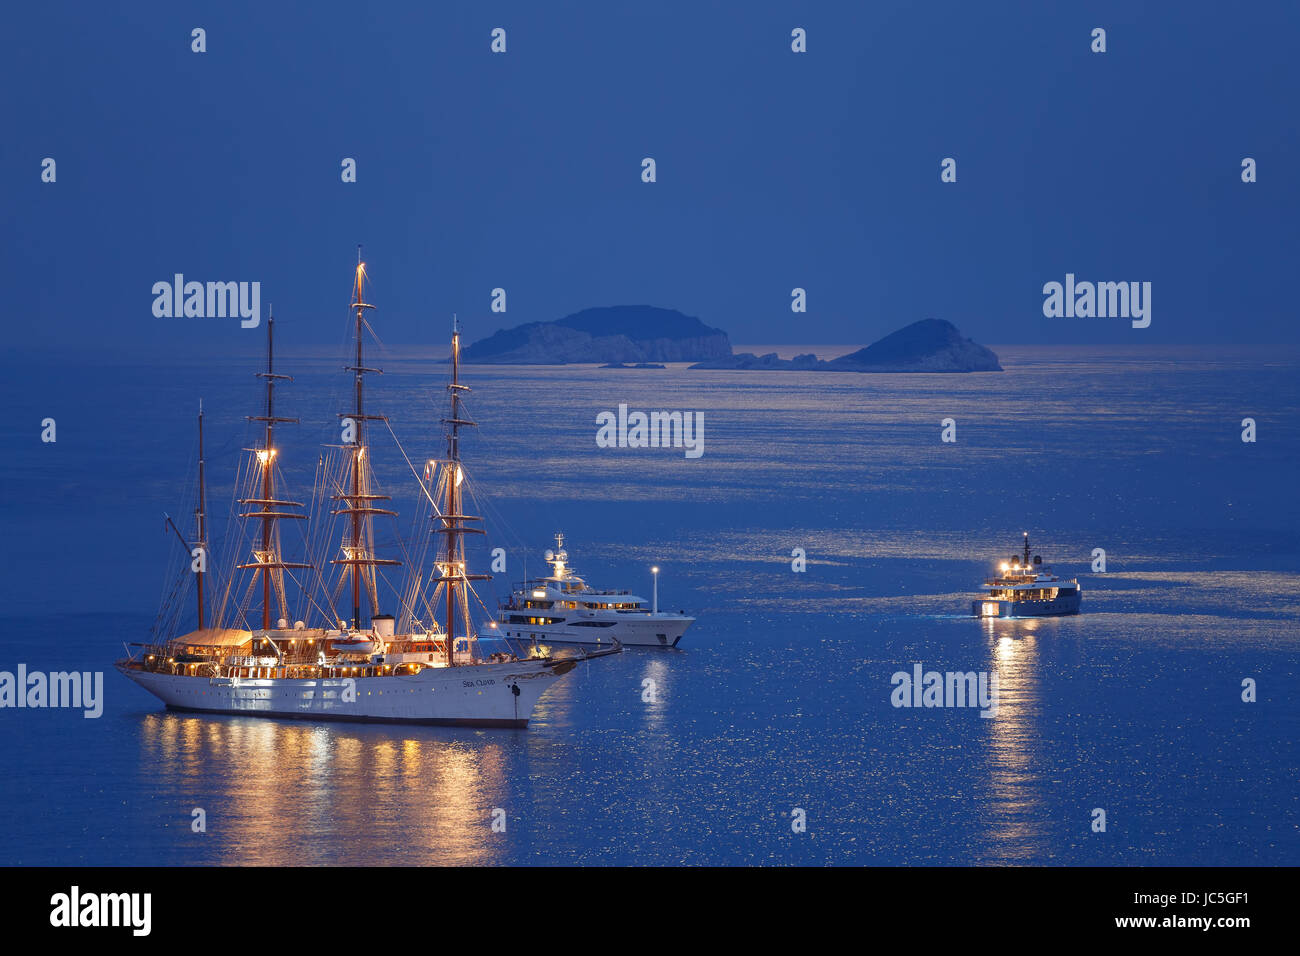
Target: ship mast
x: 453, y: 520
x: 200, y: 514
x: 359, y: 504
x: 268, y: 560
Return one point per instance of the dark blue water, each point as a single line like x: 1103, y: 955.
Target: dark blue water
x: 780, y: 695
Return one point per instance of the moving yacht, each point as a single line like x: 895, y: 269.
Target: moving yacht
x: 562, y: 609
x: 1025, y: 588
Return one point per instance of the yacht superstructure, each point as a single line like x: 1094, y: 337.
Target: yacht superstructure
x: 1025, y: 588
x: 562, y: 608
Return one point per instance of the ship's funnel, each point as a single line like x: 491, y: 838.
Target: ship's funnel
x: 383, y: 625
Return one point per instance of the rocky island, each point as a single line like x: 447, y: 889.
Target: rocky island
x: 930, y: 345
x: 644, y: 337
x: 618, y: 335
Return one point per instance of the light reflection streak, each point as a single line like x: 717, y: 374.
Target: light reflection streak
x: 656, y: 709
x: 1017, y: 826
x: 283, y: 793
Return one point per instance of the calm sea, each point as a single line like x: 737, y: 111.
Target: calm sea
x: 777, y: 705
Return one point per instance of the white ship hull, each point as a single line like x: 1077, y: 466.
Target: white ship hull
x: 639, y: 630
x: 481, y: 695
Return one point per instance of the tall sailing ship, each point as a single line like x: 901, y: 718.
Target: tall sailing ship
x: 423, y: 666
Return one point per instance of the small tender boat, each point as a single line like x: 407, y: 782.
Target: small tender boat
x: 357, y: 644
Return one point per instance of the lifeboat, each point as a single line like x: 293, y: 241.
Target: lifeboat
x: 357, y: 644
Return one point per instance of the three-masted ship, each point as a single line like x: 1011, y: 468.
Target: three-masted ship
x: 432, y: 672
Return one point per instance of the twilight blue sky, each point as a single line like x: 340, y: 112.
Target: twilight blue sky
x: 775, y: 169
